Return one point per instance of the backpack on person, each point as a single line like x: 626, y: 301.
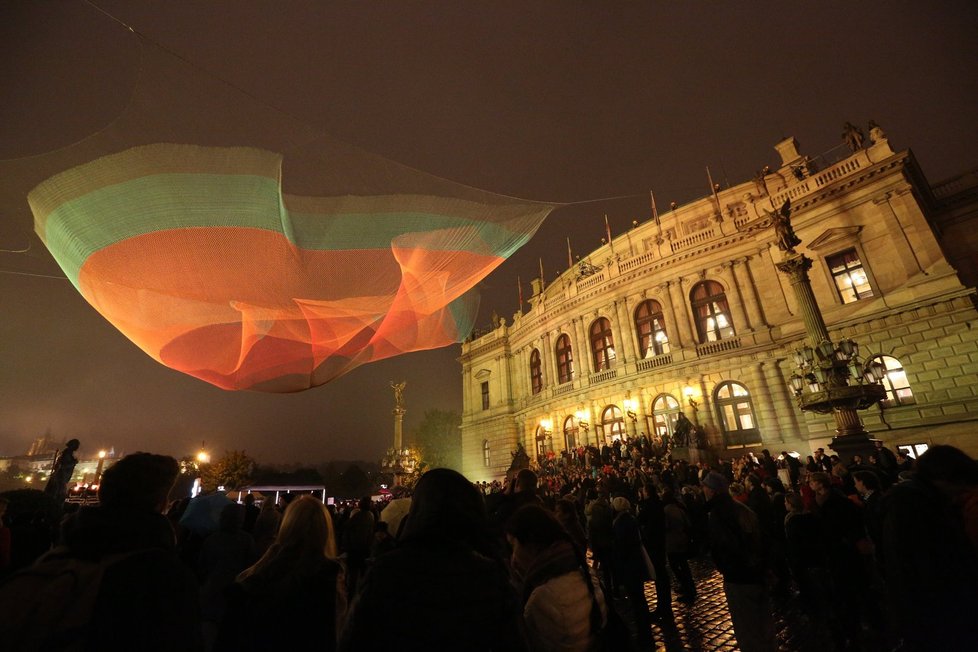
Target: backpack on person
x: 49, y: 606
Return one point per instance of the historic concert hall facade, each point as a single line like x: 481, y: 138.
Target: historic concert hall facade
x: 688, y: 314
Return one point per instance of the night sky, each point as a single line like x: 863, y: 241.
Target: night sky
x: 549, y: 101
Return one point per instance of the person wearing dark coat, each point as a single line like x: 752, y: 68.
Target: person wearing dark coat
x: 630, y: 568
x: 931, y: 567
x: 652, y: 521
x: 737, y: 547
x: 147, y: 598
x: 445, y: 586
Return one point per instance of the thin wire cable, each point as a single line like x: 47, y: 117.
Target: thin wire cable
x: 16, y: 273
x: 143, y: 37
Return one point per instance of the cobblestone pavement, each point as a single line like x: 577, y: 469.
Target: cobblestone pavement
x: 705, y: 625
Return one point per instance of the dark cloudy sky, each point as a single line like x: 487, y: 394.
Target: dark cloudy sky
x: 555, y: 101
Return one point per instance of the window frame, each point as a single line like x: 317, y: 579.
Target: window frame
x: 484, y: 388
x: 617, y: 424
x: 536, y: 372
x: 847, y: 272
x: 893, y: 398
x: 669, y: 415
x: 653, y: 316
x: 565, y: 359
x: 602, y: 340
x: 486, y: 454
x: 571, y: 433
x: 716, y: 303
x: 740, y: 437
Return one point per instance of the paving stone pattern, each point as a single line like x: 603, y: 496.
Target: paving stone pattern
x: 705, y: 625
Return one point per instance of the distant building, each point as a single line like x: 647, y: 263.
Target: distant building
x: 688, y: 314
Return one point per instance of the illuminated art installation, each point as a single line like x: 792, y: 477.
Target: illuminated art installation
x: 198, y: 257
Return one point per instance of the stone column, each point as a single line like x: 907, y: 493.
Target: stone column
x: 736, y: 302
x: 681, y: 314
x: 755, y: 310
x: 764, y: 408
x: 547, y: 361
x: 398, y: 413
x: 622, y: 353
x: 627, y: 330
x: 587, y: 368
x: 785, y: 410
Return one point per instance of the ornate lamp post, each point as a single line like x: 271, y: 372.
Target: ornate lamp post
x: 830, y: 377
x: 583, y: 418
x: 631, y: 405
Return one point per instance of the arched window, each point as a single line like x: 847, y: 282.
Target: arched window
x: 545, y: 442
x: 711, y: 311
x: 652, y: 339
x: 736, y: 414
x: 665, y: 413
x: 486, y: 459
x: 602, y: 344
x: 565, y: 360
x: 536, y: 372
x: 570, y: 433
x: 612, y: 424
x: 895, y: 381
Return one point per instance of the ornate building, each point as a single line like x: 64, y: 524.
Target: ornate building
x: 687, y: 313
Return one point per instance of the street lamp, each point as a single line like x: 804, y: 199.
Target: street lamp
x: 689, y: 393
x: 836, y: 379
x: 98, y: 469
x: 630, y: 406
x: 583, y: 417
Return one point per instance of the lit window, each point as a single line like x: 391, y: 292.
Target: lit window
x: 565, y: 360
x: 570, y: 432
x: 665, y: 413
x: 486, y: 458
x: 612, y: 424
x: 485, y: 395
x: 536, y: 372
x: 652, y: 336
x: 895, y: 381
x: 602, y: 344
x: 736, y: 414
x: 545, y: 442
x: 850, y: 278
x: 712, y: 313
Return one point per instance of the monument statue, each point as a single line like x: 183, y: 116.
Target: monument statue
x: 398, y: 393
x: 61, y: 472
x: 787, y: 240
x: 853, y: 137
x: 682, y: 430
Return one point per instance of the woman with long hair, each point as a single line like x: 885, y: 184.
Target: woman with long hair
x: 297, y: 587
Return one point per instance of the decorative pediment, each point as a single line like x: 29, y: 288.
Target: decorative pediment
x: 844, y: 235
x: 482, y: 374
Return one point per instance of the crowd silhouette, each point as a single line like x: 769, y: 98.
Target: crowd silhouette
x: 876, y: 555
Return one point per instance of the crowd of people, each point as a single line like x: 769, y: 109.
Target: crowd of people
x: 881, y: 554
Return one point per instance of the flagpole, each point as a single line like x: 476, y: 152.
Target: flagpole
x: 519, y: 285
x: 607, y: 230
x: 570, y: 256
x: 543, y: 283
x: 713, y: 189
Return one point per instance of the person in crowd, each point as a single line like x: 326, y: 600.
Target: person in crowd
x: 266, y: 526
x: 563, y: 605
x: 142, y: 597
x: 567, y: 515
x: 844, y: 535
x: 61, y: 471
x: 224, y: 554
x: 652, y: 525
x: 383, y: 541
x: 678, y: 539
x: 867, y: 485
x: 737, y: 547
x: 296, y: 588
x: 445, y: 586
x: 358, y: 537
x: 251, y: 513
x: 904, y: 461
x: 929, y: 552
x: 601, y: 536
x: 395, y: 511
x: 200, y: 520
x: 630, y: 569
x: 521, y: 490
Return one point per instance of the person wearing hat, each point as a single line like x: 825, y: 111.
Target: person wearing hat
x: 737, y: 548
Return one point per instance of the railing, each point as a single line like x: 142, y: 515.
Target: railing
x: 590, y: 281
x: 603, y: 376
x: 958, y: 184
x: 696, y: 238
x: 712, y: 348
x: 837, y: 171
x: 637, y: 261
x: 653, y: 363
x: 564, y: 388
x: 741, y: 221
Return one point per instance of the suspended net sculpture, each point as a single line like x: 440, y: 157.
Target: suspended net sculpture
x: 264, y: 255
